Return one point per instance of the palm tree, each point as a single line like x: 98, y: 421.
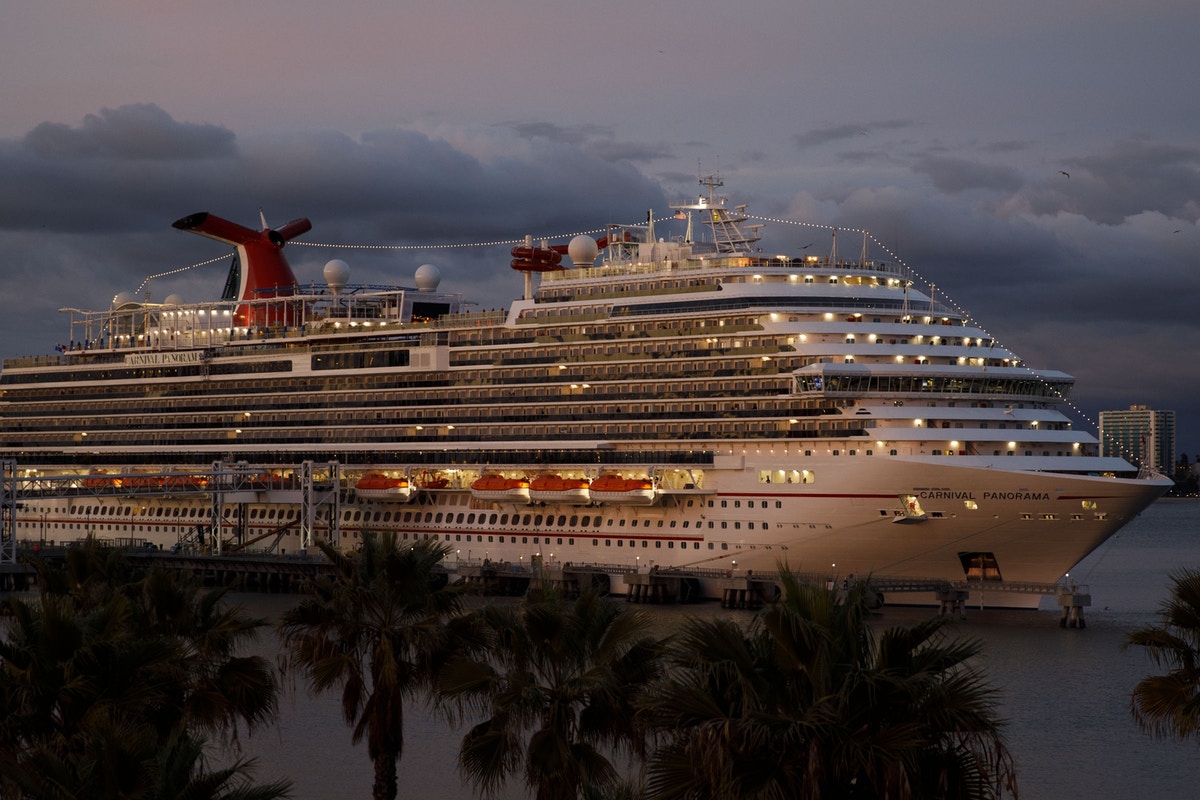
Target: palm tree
x: 109, y: 670
x: 1169, y: 705
x: 809, y: 702
x: 556, y: 683
x: 374, y: 630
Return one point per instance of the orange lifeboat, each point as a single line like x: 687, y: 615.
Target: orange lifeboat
x: 431, y: 480
x: 498, y: 488
x: 557, y: 489
x: 144, y: 482
x: 377, y: 486
x: 99, y: 479
x: 619, y: 489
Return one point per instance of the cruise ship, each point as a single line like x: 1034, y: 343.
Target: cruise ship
x: 651, y: 402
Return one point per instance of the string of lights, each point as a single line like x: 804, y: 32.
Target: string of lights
x: 336, y: 246
x: 176, y: 271
x: 445, y: 245
x: 945, y: 299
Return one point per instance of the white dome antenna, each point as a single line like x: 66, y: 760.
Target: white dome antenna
x: 583, y: 251
x: 427, y: 277
x: 336, y: 273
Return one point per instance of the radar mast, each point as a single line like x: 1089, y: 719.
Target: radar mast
x: 729, y: 235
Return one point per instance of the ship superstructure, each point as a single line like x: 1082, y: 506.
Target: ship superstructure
x: 651, y: 401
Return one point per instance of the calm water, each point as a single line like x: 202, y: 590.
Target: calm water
x: 1065, y: 692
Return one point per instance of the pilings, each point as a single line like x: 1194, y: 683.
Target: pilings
x: 952, y: 602
x: 652, y: 587
x: 746, y: 591
x: 16, y: 577
x: 1072, y: 600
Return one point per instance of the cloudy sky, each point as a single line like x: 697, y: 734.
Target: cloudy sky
x: 1039, y: 161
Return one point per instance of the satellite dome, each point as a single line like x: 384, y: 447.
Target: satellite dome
x: 428, y: 277
x: 583, y: 251
x: 173, y: 300
x: 336, y: 273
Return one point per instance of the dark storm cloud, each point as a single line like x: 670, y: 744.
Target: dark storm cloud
x: 139, y: 132
x: 953, y: 175
x: 1131, y: 178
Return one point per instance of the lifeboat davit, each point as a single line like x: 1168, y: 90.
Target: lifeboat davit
x: 497, y: 488
x: 619, y: 489
x: 378, y: 486
x: 536, y: 259
x: 557, y: 489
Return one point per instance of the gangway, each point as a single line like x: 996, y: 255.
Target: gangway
x: 233, y: 545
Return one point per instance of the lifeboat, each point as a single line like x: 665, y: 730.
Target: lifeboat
x: 618, y: 489
x: 99, y: 479
x: 431, y: 480
x: 557, y: 489
x: 144, y: 482
x: 377, y: 486
x: 497, y: 488
x: 536, y: 259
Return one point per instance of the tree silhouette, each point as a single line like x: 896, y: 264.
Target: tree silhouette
x: 1168, y: 705
x: 555, y: 683
x: 374, y: 630
x: 811, y: 702
x: 113, y: 679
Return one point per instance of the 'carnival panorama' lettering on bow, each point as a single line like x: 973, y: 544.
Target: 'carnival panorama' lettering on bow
x: 946, y: 494
x: 158, y: 359
x: 1016, y: 495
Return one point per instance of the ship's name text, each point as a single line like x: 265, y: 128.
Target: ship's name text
x: 946, y: 494
x: 158, y: 359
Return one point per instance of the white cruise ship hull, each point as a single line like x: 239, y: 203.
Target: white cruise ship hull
x: 1019, y: 527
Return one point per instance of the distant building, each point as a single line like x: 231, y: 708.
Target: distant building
x: 1141, y: 435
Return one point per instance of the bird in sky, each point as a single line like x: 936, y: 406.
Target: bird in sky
x: 1060, y: 172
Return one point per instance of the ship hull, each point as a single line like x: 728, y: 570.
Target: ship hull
x: 984, y: 525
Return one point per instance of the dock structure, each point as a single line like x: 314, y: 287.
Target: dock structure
x: 495, y: 578
x: 748, y: 591
x: 654, y: 587
x: 1072, y: 600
